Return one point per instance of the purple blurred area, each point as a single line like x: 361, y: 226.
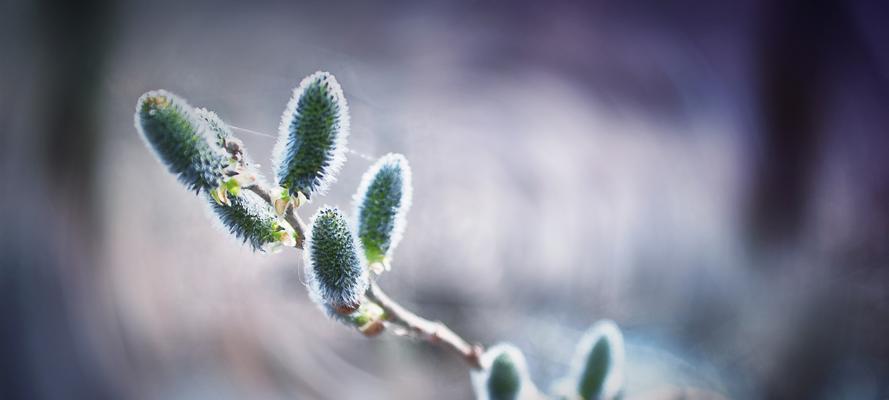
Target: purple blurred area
x: 713, y: 177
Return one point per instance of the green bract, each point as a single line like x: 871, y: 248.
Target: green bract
x: 336, y: 272
x: 381, y: 203
x: 253, y: 220
x: 504, y: 375
x: 181, y: 140
x: 312, y: 136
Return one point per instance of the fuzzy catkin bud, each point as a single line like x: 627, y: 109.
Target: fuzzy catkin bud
x: 221, y: 131
x: 181, y: 139
x: 249, y: 218
x: 597, y: 368
x: 381, y: 204
x: 504, y: 382
x: 312, y: 136
x: 243, y: 167
x: 504, y: 375
x: 337, y: 274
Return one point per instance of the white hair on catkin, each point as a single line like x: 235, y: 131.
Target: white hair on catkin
x: 318, y: 291
x: 192, y: 176
x: 256, y: 207
x: 337, y: 155
x: 137, y: 119
x: 613, y: 384
x: 480, y: 377
x: 223, y: 131
x: 400, y: 222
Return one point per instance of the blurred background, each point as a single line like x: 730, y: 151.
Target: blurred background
x: 712, y: 177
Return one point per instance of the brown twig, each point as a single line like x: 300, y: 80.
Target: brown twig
x: 430, y: 331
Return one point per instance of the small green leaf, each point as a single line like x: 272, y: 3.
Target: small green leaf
x: 368, y: 312
x: 233, y: 187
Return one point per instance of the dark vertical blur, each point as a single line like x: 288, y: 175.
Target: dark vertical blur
x: 50, y: 210
x: 805, y: 53
x: 75, y: 38
x: 795, y: 47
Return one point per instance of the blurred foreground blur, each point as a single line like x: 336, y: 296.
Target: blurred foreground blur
x: 712, y: 177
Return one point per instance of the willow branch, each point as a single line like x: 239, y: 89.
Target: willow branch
x: 290, y: 215
x: 430, y: 331
x: 234, y: 148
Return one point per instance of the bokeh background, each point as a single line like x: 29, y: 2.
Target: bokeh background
x: 713, y: 177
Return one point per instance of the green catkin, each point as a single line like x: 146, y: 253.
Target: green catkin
x: 242, y: 164
x: 181, y: 140
x: 504, y: 375
x: 381, y: 204
x: 504, y: 382
x: 251, y: 219
x: 312, y: 136
x: 336, y: 272
x: 598, y: 365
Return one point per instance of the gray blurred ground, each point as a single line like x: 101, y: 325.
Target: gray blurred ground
x: 572, y: 162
